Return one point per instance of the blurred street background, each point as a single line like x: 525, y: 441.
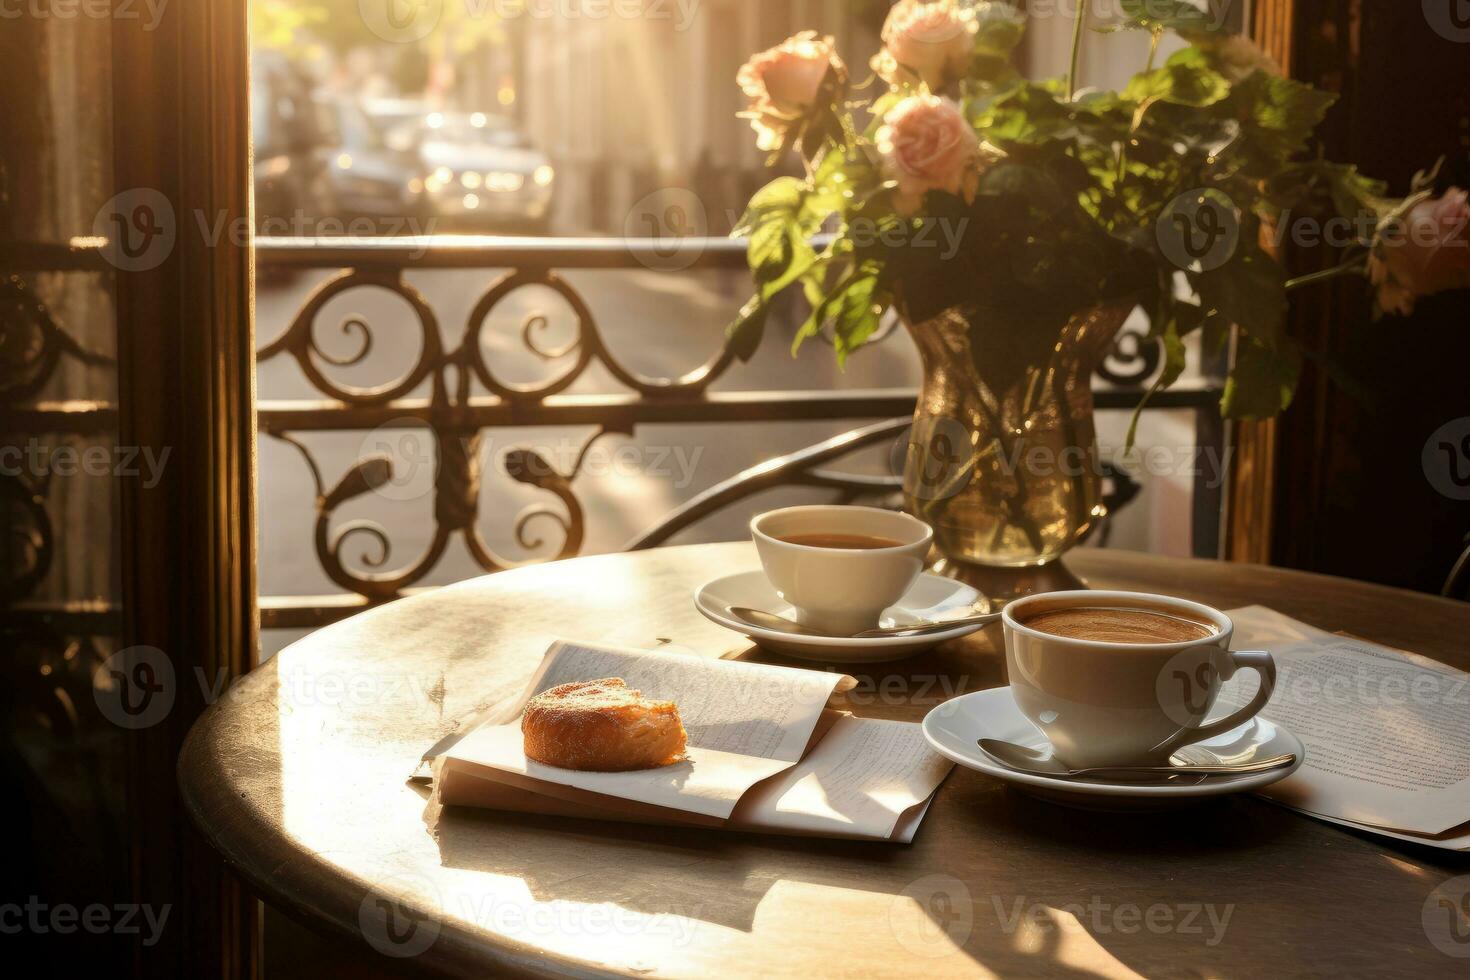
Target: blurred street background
x: 557, y: 118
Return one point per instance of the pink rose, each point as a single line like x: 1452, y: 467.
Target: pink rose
x: 926, y: 42
x: 783, y: 84
x: 927, y: 144
x: 1428, y: 251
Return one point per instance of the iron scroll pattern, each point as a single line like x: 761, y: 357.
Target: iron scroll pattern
x: 55, y: 646
x: 33, y: 346
x: 459, y: 377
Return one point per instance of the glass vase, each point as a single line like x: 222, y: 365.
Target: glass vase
x: 1002, y: 460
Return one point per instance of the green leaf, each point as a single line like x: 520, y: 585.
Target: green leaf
x: 1174, y: 15
x: 818, y: 296
x: 1263, y: 380
x: 1248, y: 291
x: 1338, y: 188
x: 777, y: 250
x: 841, y: 180
x: 1184, y: 81
x: 854, y: 307
x: 744, y: 334
x: 1000, y: 28
x: 858, y: 315
x: 778, y: 199
x: 1278, y: 114
x: 1029, y: 114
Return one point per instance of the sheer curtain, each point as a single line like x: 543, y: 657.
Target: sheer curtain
x: 63, y: 760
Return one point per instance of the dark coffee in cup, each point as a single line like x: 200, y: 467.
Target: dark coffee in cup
x: 852, y: 542
x: 1117, y: 625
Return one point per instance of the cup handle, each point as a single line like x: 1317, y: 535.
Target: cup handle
x: 1263, y: 664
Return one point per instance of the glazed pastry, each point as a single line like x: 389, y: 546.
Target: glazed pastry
x: 601, y: 726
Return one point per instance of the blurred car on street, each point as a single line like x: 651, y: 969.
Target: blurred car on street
x: 480, y: 171
x: 289, y: 179
x: 366, y: 176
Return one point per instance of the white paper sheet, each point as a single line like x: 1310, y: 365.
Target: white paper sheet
x: 746, y: 722
x: 1387, y: 732
x: 728, y: 705
x: 709, y: 782
x: 863, y: 776
x: 1453, y: 840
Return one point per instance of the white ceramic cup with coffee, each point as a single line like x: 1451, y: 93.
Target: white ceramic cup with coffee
x: 1124, y: 678
x: 840, y: 566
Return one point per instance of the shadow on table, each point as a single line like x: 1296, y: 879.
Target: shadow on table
x: 1035, y: 887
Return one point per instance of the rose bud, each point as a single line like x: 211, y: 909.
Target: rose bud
x: 926, y: 42
x: 1427, y: 251
x: 927, y: 144
x: 784, y: 83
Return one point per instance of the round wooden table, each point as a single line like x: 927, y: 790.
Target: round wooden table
x: 298, y: 778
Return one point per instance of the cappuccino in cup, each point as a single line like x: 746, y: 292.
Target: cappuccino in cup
x: 1124, y: 678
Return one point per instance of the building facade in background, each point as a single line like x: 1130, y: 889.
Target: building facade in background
x: 628, y: 107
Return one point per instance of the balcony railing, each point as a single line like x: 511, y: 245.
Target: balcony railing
x: 468, y: 397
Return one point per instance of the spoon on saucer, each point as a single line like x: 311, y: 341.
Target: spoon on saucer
x: 1037, y: 763
x: 771, y: 621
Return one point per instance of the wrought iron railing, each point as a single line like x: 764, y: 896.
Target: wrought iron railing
x: 467, y: 397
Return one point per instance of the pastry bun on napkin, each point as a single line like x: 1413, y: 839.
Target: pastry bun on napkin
x: 601, y: 726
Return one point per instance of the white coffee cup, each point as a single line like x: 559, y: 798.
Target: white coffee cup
x: 840, y: 591
x: 1104, y: 703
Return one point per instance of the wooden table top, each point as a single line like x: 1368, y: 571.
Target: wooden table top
x: 297, y: 776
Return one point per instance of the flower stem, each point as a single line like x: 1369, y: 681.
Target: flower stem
x: 1153, y: 51
x: 1076, y: 49
x: 1311, y: 278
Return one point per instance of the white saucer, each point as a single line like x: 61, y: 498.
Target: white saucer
x: 931, y: 596
x: 954, y: 727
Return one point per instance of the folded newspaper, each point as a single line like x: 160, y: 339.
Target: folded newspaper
x: 1387, y: 732
x: 766, y: 753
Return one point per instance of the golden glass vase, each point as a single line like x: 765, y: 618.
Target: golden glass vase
x: 1002, y: 460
